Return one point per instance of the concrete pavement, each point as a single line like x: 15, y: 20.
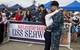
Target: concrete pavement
x: 27, y: 46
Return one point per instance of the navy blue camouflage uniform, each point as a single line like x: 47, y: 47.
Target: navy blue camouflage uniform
x: 56, y: 31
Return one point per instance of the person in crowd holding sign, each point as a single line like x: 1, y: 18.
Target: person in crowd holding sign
x: 54, y: 26
x: 75, y: 23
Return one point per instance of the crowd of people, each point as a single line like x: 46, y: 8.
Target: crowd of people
x: 74, y: 19
x: 34, y: 15
x: 37, y: 15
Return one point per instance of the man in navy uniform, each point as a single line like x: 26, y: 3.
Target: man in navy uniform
x: 54, y: 25
x: 57, y: 26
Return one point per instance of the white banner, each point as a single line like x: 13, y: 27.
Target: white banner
x: 34, y: 33
x: 28, y: 31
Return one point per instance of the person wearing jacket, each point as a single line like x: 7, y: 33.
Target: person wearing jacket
x: 54, y: 24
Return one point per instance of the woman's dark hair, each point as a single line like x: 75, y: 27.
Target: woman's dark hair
x: 54, y: 3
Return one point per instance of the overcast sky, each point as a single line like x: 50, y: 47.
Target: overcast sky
x: 28, y: 2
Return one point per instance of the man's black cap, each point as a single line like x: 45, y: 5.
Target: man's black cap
x: 54, y: 3
x: 41, y: 5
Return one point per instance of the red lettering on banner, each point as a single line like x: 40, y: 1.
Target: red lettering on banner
x: 20, y: 26
x: 32, y: 27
